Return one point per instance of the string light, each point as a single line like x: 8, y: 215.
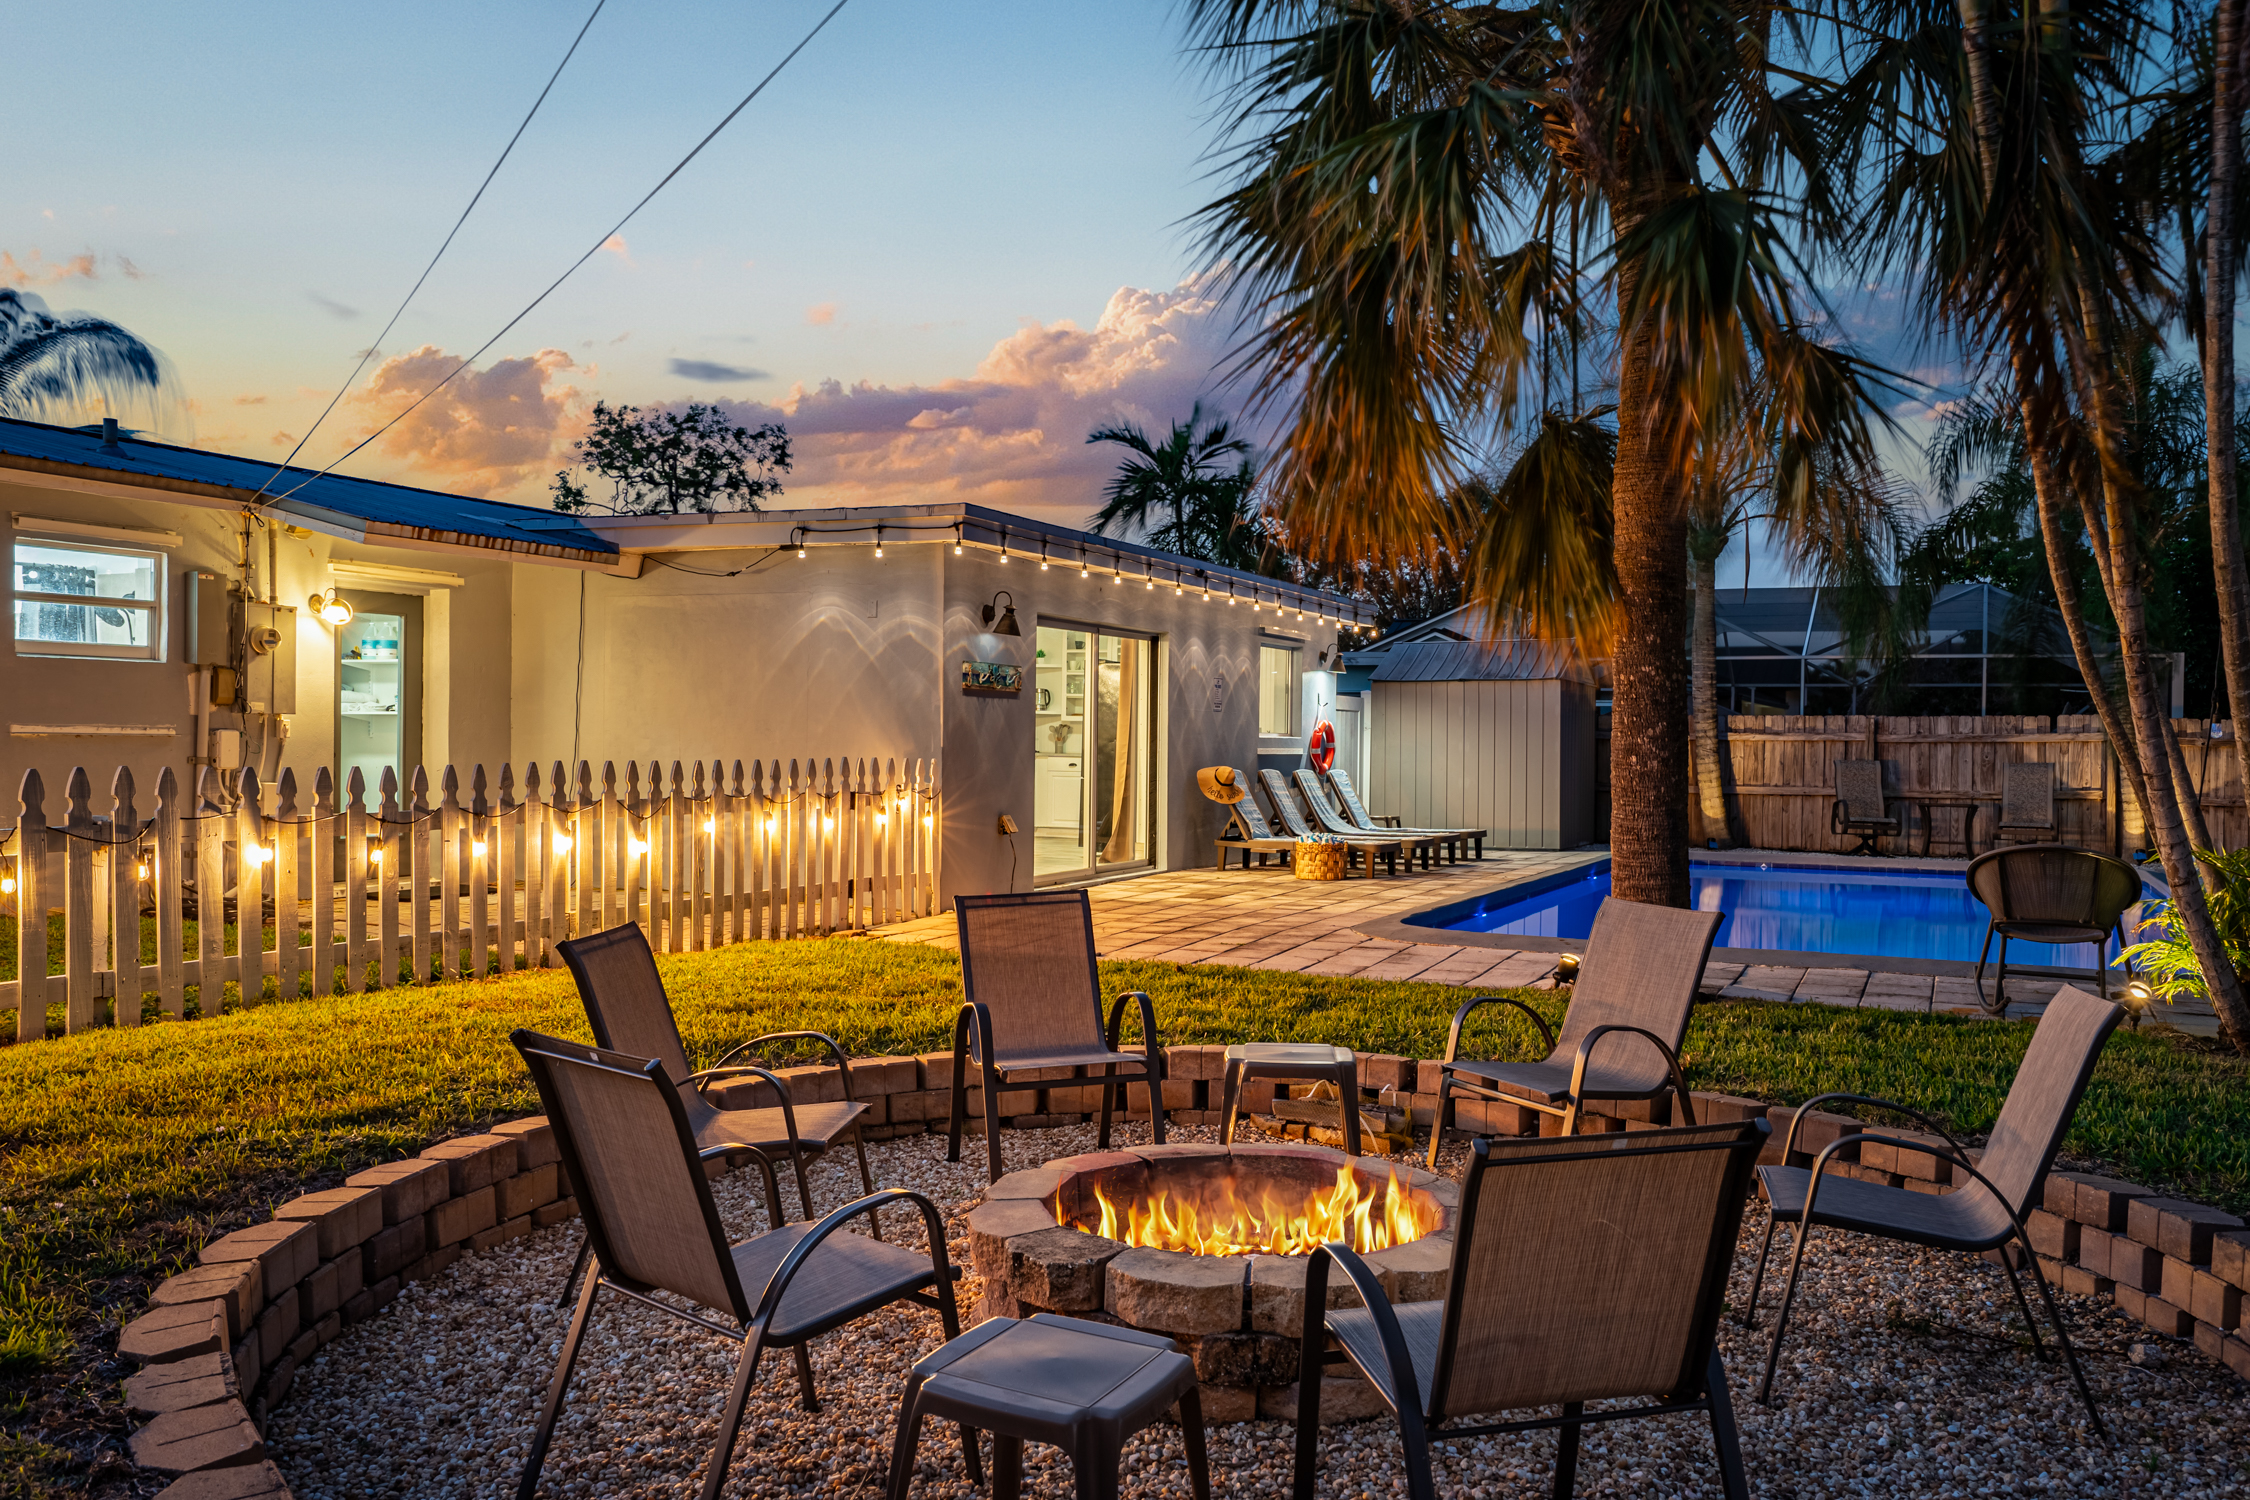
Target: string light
x: 927, y: 820
x: 772, y: 823
x: 1042, y: 554
x: 476, y: 847
x: 375, y: 855
x: 878, y: 541
x: 710, y: 825
x: 956, y: 540
x: 826, y: 822
x: 141, y: 870
x: 562, y: 843
x: 7, y: 885
x: 636, y: 846
x: 880, y: 820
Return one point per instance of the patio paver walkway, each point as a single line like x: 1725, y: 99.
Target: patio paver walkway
x: 1267, y: 919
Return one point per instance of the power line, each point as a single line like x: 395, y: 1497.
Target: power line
x: 377, y: 342
x: 611, y: 233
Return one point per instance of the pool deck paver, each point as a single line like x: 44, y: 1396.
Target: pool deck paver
x: 1265, y: 918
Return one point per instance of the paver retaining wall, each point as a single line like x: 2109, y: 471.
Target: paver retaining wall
x: 221, y: 1343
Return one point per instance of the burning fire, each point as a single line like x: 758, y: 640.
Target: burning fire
x: 1223, y: 1222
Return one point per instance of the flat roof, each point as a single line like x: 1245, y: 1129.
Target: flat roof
x: 359, y: 509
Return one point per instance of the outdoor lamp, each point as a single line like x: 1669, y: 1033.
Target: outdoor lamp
x: 1007, y: 625
x: 1566, y: 969
x: 2139, y: 994
x: 878, y: 541
x: 330, y: 607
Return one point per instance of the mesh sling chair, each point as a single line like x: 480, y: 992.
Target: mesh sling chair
x: 1366, y: 845
x: 1591, y: 1268
x: 1985, y: 1212
x: 1347, y: 796
x: 2027, y: 801
x: 630, y: 1013
x: 1635, y: 990
x: 1861, y: 811
x: 637, y: 1168
x: 2044, y: 893
x: 1413, y: 840
x: 1032, y: 1003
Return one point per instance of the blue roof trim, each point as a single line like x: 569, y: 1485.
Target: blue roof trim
x: 394, y: 507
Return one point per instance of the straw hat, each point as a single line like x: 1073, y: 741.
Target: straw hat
x: 1219, y: 784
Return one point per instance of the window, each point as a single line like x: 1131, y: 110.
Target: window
x: 1277, y: 690
x: 76, y: 600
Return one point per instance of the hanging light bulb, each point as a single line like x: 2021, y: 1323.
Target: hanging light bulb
x: 927, y: 820
x: 956, y: 541
x: 880, y: 820
x: 476, y: 847
x: 826, y: 822
x: 562, y: 843
x: 140, y: 870
x: 710, y: 825
x: 7, y: 885
x: 878, y: 541
x: 636, y: 846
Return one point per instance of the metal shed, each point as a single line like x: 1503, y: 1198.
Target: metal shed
x: 1498, y: 735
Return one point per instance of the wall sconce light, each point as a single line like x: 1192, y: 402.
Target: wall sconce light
x: 330, y: 607
x: 1007, y: 625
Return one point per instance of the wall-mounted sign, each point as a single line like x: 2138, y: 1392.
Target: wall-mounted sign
x: 1218, y: 695
x: 991, y: 677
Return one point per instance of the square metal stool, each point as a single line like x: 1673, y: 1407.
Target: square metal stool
x: 1298, y: 1060
x: 1083, y: 1387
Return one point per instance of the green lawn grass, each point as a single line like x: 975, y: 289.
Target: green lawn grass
x: 122, y: 1151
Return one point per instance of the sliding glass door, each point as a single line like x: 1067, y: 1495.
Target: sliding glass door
x: 1093, y: 803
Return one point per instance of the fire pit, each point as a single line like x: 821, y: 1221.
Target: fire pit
x: 1206, y: 1244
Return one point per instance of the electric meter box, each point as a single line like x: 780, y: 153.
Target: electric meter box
x: 210, y: 636
x: 271, y: 657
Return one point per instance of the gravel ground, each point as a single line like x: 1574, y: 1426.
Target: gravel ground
x: 1905, y: 1374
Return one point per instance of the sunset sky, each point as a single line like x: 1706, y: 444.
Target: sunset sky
x: 942, y: 247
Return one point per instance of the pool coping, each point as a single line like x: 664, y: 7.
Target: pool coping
x: 1408, y: 930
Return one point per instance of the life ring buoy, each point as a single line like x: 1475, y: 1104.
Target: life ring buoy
x: 1321, y: 748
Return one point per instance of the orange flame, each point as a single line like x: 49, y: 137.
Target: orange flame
x: 1222, y: 1222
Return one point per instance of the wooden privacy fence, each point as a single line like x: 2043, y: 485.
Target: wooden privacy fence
x: 1783, y: 776
x: 357, y: 896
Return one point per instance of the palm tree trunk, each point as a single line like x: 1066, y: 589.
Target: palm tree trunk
x: 1710, y: 786
x: 2047, y: 485
x: 1648, y: 681
x: 2089, y: 353
x: 2233, y: 578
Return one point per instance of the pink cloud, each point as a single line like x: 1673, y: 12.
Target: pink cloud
x: 37, y: 270
x: 1013, y: 435
x: 488, y: 431
x: 821, y: 313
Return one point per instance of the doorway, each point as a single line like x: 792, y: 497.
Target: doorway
x: 378, y: 690
x: 1093, y: 752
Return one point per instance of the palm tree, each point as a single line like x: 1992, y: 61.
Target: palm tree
x: 2020, y: 225
x: 1181, y: 496
x: 48, y: 362
x: 1384, y: 151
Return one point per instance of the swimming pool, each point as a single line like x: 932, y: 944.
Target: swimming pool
x: 1906, y: 913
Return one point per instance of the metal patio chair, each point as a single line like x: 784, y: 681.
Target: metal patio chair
x: 2027, y: 801
x: 1592, y: 1268
x: 636, y: 1166
x: 1367, y: 846
x: 1247, y: 828
x: 1982, y: 1213
x: 1347, y: 796
x: 1861, y: 810
x: 1032, y: 1003
x: 2045, y: 893
x: 1412, y: 840
x: 1636, y: 987
x: 630, y: 1013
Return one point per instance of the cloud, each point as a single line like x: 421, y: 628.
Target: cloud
x: 249, y: 400
x: 487, y: 432
x: 36, y: 270
x: 616, y: 246
x: 821, y: 313
x: 1013, y: 435
x: 332, y: 307
x: 132, y: 272
x: 704, y: 369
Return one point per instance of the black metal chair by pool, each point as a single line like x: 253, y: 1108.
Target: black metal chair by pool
x: 2044, y: 893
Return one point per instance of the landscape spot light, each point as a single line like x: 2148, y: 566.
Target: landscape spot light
x: 1566, y: 969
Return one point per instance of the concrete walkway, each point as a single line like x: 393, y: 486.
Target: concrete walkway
x: 1268, y: 919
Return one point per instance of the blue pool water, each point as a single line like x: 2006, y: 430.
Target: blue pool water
x: 1799, y: 908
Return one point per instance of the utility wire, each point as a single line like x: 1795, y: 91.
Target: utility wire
x: 589, y: 255
x: 377, y: 343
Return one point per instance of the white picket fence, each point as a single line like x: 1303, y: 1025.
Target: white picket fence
x: 407, y: 892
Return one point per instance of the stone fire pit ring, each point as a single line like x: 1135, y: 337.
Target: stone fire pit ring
x: 1239, y: 1317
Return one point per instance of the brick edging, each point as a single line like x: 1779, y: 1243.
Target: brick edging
x: 221, y: 1343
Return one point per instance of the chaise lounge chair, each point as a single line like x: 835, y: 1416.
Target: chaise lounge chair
x: 1347, y: 796
x: 1366, y: 846
x: 1316, y: 801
